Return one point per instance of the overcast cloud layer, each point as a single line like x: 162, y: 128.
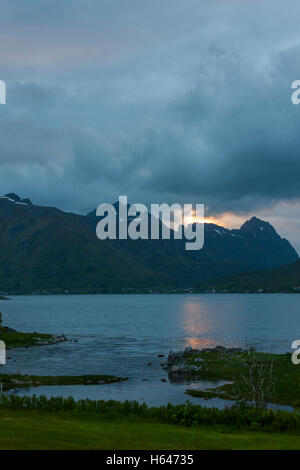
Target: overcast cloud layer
x: 164, y: 101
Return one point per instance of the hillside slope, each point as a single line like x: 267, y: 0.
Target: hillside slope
x: 283, y: 279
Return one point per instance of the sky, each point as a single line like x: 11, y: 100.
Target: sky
x: 163, y: 101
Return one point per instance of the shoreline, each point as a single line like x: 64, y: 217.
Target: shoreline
x: 233, y: 366
x: 153, y: 292
x: 13, y: 381
x: 17, y: 339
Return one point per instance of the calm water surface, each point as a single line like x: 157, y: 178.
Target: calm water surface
x: 122, y: 334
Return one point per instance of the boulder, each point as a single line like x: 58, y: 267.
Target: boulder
x: 174, y: 356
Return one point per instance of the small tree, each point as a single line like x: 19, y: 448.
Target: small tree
x: 257, y: 387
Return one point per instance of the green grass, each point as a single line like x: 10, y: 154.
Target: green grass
x: 32, y: 429
x: 231, y: 367
x: 19, y: 340
x: 22, y: 381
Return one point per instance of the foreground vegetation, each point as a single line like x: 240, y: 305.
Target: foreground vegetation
x: 57, y: 423
x: 12, y: 381
x: 239, y: 416
x: 21, y: 429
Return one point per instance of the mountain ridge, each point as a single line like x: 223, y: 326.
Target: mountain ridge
x: 45, y: 248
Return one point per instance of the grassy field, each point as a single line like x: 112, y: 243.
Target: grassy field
x: 33, y: 429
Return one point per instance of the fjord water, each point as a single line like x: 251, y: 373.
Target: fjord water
x: 122, y: 334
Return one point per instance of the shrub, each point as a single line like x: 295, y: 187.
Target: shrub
x: 240, y: 415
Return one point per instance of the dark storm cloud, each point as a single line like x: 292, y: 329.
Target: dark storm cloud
x: 234, y: 139
x: 162, y: 101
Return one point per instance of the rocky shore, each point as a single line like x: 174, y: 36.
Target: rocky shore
x: 55, y: 339
x: 191, y: 362
x: 17, y: 339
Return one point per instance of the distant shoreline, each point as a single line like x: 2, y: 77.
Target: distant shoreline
x: 149, y: 292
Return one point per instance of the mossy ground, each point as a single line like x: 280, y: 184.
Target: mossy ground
x: 19, y: 340
x: 221, y: 365
x: 11, y: 381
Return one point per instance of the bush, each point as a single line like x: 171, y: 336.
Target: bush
x: 240, y: 415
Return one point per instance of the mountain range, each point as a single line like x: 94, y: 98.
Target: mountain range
x: 46, y: 249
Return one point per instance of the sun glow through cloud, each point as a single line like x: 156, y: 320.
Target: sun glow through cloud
x: 193, y: 220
